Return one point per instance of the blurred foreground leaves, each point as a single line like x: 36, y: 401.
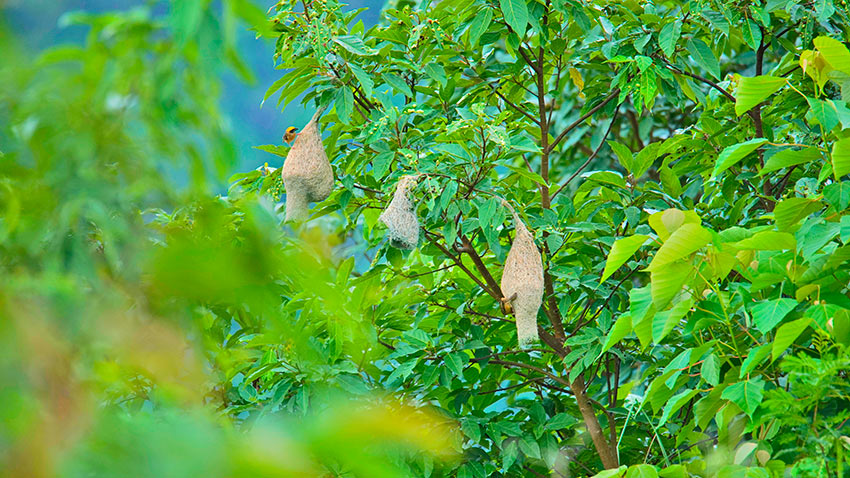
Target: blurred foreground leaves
x: 148, y: 329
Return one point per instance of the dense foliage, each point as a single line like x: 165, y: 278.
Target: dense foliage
x: 680, y: 164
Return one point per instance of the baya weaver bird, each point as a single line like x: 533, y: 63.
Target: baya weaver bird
x: 290, y: 134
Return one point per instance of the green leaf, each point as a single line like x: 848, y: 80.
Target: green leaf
x: 667, y: 281
x: 669, y: 36
x: 278, y: 84
x: 516, y: 15
x: 767, y: 241
x: 834, y: 52
x: 747, y: 395
x: 787, y: 334
x: 454, y: 361
x: 381, y: 163
x: 436, y: 72
x: 364, y: 79
x: 704, y: 57
x: 344, y: 104
x: 403, y: 371
x: 790, y: 157
x: 684, y: 241
x: 674, y: 471
x: 471, y: 429
x: 790, y: 211
x: 528, y: 446
x: 675, y: 403
x: 624, y: 155
x: 621, y: 328
x: 841, y: 327
x: 534, y: 177
x: 752, y: 91
x: 561, y: 421
x: 731, y: 155
x: 710, y: 370
x: 644, y: 159
x: 665, y: 321
x: 613, y: 472
x: 838, y: 195
x: 754, y: 358
x: 823, y: 112
x: 642, y: 471
x: 768, y: 314
x: 480, y: 23
x: 353, y: 44
x: 621, y: 251
x: 273, y: 149
x: 841, y: 157
x: 751, y: 33
x: 397, y: 83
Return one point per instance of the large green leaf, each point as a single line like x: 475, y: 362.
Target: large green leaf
x: 731, y: 155
x: 790, y: 157
x: 642, y: 471
x: 668, y: 37
x: 767, y: 241
x: 751, y: 33
x: 704, y: 57
x: 755, y: 356
x: 787, y: 334
x: 397, y: 83
x: 752, y: 91
x: 675, y: 403
x: 768, y: 314
x: 516, y: 15
x: 480, y: 24
x: 834, y: 52
x: 665, y: 321
x: 710, y: 370
x: 354, y: 44
x: 621, y: 328
x: 624, y: 155
x: 747, y: 394
x: 667, y: 281
x: 621, y: 251
x: 684, y: 241
x: 792, y: 210
x: 841, y: 157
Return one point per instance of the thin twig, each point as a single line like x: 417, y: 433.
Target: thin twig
x: 592, y: 156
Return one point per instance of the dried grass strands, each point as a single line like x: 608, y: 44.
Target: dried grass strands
x: 400, y: 216
x: 306, y: 173
x: 522, y: 281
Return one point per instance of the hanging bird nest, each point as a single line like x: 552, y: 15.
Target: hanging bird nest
x: 400, y: 216
x: 306, y: 173
x: 522, y: 282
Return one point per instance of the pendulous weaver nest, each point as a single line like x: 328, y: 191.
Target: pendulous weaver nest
x: 522, y: 282
x: 306, y: 173
x: 400, y: 217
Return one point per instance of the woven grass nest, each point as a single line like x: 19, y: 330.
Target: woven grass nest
x: 400, y: 216
x: 306, y: 172
x: 522, y: 282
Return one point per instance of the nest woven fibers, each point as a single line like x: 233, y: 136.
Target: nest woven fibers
x: 307, y: 174
x: 400, y: 216
x: 522, y: 282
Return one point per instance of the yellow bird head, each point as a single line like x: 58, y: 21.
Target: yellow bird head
x: 289, y: 135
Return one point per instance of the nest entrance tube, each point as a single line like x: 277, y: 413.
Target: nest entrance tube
x: 400, y: 217
x: 307, y: 174
x: 522, y: 281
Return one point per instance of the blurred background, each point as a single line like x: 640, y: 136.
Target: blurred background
x: 150, y: 327
x: 37, y: 24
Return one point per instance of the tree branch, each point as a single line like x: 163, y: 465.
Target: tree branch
x: 595, y: 152
x: 579, y: 121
